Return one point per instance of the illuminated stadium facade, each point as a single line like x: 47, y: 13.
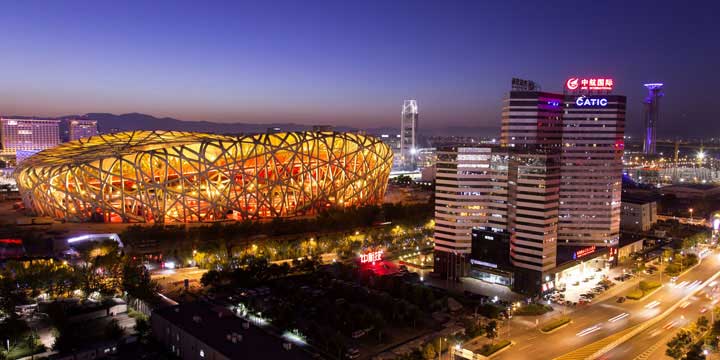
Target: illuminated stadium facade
x: 165, y: 176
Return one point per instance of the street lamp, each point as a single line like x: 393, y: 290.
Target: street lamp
x: 691, y: 215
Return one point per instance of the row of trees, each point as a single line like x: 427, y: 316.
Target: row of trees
x: 331, y: 232
x: 688, y: 342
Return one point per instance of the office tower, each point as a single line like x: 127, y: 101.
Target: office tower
x: 408, y: 134
x: 28, y: 134
x: 591, y: 164
x: 74, y: 129
x: 533, y: 193
x: 470, y: 191
x: 651, y: 115
x: 532, y: 120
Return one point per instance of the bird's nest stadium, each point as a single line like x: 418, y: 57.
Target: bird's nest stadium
x: 167, y: 176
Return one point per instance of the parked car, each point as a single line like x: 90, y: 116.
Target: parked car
x: 620, y: 299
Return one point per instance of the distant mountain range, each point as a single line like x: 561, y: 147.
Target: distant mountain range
x: 135, y: 121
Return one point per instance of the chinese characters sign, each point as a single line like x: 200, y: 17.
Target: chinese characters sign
x: 584, y: 252
x: 371, y: 257
x: 575, y: 84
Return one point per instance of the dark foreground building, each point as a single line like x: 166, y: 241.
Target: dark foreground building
x: 203, y: 331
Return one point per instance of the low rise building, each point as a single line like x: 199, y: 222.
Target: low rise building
x: 638, y: 214
x: 203, y: 331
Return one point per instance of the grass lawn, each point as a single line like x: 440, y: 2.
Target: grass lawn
x: 555, y: 324
x: 533, y: 309
x: 488, y: 349
x: 22, y: 350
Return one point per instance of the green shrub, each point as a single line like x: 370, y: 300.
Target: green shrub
x: 533, y: 309
x: 636, y: 294
x: 489, y: 349
x: 555, y: 324
x: 646, y: 286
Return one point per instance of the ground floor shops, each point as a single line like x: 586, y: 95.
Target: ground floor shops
x: 579, y: 270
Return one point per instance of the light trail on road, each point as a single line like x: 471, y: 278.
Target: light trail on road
x: 618, y: 317
x: 589, y: 330
x: 652, y: 304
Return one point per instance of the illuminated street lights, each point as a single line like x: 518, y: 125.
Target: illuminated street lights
x: 691, y: 215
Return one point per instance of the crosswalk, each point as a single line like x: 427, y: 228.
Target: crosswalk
x: 646, y: 354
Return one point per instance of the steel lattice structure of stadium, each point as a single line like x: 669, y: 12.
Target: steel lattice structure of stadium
x: 167, y: 176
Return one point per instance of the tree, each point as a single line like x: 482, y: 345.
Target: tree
x: 428, y: 352
x: 491, y: 330
x: 113, y: 331
x: 677, y: 347
x: 142, y: 326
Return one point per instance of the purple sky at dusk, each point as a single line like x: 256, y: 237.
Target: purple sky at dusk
x: 350, y: 63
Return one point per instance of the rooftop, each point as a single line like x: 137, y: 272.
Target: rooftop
x: 211, y: 324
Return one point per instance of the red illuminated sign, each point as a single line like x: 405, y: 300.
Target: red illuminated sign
x: 584, y: 252
x: 371, y: 257
x: 11, y: 241
x: 579, y: 84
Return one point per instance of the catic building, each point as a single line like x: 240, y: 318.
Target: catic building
x: 552, y: 206
x: 166, y: 176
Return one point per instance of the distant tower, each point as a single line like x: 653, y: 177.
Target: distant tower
x: 652, y: 115
x: 408, y: 134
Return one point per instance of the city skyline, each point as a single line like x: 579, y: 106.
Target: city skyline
x: 350, y: 64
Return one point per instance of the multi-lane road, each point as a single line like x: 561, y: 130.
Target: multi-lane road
x: 597, y: 322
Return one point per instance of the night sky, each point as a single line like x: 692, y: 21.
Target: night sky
x: 352, y: 63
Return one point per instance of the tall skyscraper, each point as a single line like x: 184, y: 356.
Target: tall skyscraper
x: 408, y: 134
x: 470, y: 192
x: 651, y: 116
x: 549, y: 195
x: 28, y: 134
x: 591, y: 164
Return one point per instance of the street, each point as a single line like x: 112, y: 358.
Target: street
x: 607, y: 317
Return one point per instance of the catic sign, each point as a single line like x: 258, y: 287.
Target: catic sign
x: 584, y: 101
x: 579, y: 84
x: 584, y: 252
x: 371, y: 257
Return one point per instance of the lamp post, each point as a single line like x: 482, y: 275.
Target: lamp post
x: 691, y: 215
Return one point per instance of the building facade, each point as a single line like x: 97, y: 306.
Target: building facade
x: 408, y: 134
x: 28, y: 135
x: 591, y: 168
x: 638, y: 215
x: 555, y: 199
x: 75, y: 129
x: 470, y: 192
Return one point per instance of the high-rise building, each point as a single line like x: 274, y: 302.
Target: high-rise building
x: 591, y: 164
x: 28, y: 134
x: 74, y: 129
x: 408, y: 134
x: 651, y: 115
x: 550, y: 192
x: 470, y: 192
x: 532, y: 120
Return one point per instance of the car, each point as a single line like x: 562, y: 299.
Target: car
x: 620, y: 299
x: 576, y: 283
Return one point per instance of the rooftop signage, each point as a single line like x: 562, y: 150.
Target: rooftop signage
x: 371, y: 257
x: 589, y: 84
x: 584, y: 252
x: 585, y: 101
